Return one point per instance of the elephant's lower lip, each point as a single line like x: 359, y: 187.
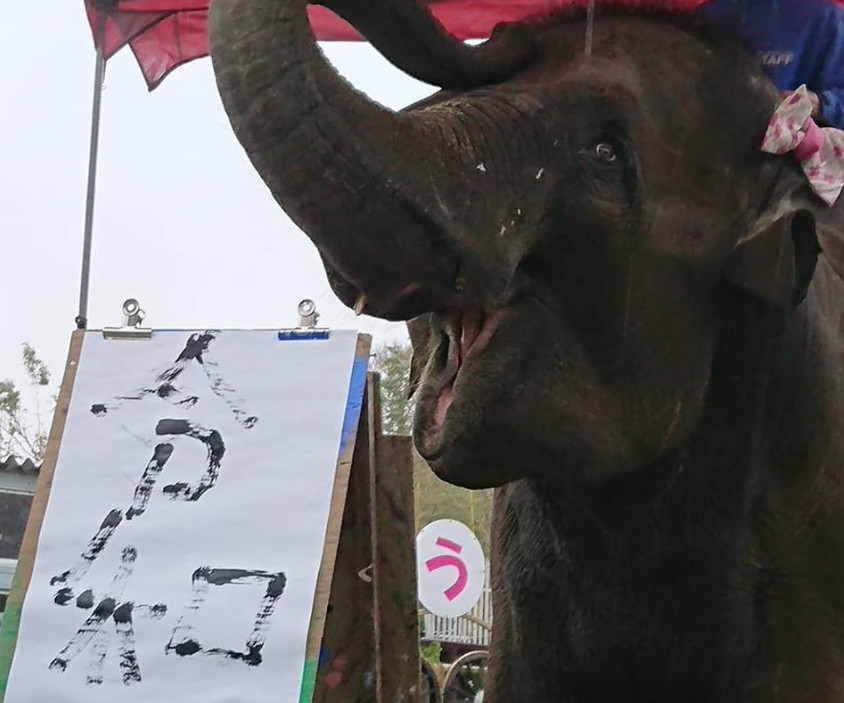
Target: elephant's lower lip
x: 468, y: 333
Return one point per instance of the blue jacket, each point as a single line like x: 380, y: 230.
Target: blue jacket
x: 796, y: 42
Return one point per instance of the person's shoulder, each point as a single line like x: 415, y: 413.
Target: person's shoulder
x: 824, y: 14
x: 833, y: 15
x: 824, y: 9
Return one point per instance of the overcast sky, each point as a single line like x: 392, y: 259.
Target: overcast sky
x: 182, y: 221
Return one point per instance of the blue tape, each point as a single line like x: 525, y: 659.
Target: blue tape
x: 354, y: 402
x: 301, y: 335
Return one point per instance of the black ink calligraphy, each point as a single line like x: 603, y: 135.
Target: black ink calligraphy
x: 197, y: 349
x: 185, y: 640
x: 93, y: 550
x: 215, y: 449
x: 143, y: 490
x: 111, y: 618
x: 93, y: 631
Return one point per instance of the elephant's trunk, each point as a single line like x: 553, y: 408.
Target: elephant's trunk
x: 357, y: 178
x: 409, y: 36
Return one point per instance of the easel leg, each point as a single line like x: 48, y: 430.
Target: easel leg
x: 347, y: 663
x: 371, y: 640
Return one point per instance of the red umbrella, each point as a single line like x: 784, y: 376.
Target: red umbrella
x: 164, y: 34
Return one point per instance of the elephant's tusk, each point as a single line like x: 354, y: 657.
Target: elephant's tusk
x: 360, y: 304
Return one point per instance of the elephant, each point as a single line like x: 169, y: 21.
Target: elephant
x: 625, y: 317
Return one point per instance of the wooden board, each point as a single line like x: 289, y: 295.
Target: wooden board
x: 339, y: 501
x: 394, y: 573
x: 371, y: 643
x: 347, y: 666
x: 397, y: 643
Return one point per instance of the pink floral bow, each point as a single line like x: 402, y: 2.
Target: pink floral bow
x: 820, y: 151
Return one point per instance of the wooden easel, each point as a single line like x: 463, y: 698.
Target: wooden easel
x: 372, y: 624
x: 363, y: 642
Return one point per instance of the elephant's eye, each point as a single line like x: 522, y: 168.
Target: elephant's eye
x: 604, y: 151
x: 607, y: 168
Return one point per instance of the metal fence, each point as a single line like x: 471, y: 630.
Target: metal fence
x: 472, y: 628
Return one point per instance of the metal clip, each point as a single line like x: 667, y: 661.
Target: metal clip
x: 133, y: 316
x: 307, y: 329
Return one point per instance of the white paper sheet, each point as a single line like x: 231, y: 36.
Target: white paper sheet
x: 208, y: 547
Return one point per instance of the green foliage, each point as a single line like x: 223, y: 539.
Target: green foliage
x: 23, y: 432
x: 392, y: 361
x: 432, y: 653
x: 10, y: 398
x: 36, y: 370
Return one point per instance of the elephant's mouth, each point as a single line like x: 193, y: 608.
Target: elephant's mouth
x: 466, y: 335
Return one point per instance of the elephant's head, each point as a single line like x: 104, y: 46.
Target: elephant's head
x: 561, y: 226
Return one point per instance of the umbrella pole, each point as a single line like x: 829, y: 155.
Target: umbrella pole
x: 85, y: 280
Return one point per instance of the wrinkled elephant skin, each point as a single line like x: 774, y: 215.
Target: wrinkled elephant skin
x: 624, y: 316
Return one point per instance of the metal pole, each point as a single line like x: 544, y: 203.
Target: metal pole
x: 99, y: 73
x: 590, y: 25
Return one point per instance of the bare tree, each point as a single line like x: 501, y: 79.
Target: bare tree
x: 23, y: 428
x: 392, y: 361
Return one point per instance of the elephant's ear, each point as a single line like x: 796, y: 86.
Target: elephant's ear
x: 776, y: 259
x: 830, y: 234
x: 776, y: 263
